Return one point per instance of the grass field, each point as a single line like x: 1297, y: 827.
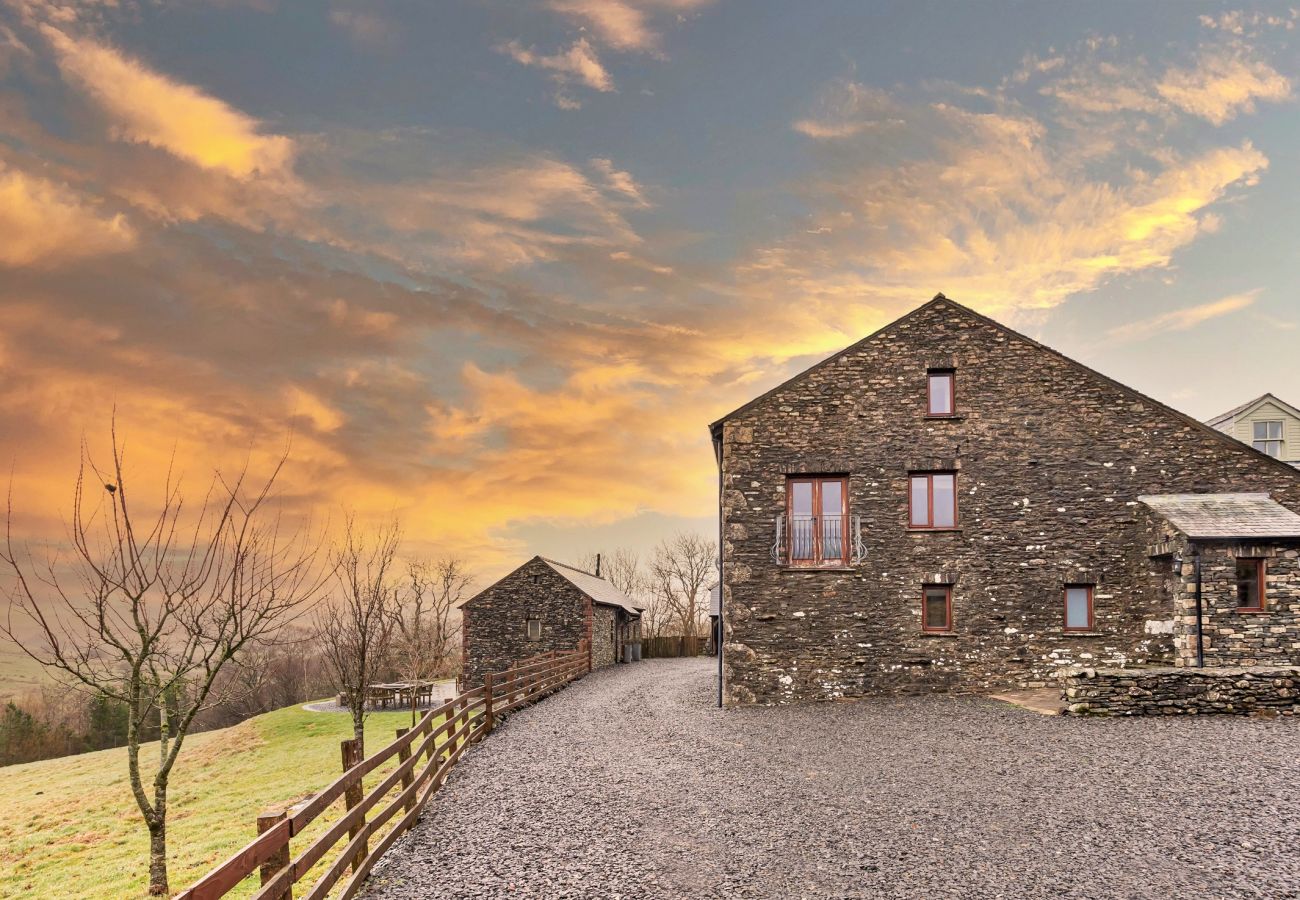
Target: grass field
x: 71, y: 828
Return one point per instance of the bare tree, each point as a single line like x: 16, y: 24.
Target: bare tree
x: 425, y: 647
x: 681, y: 573
x: 357, y: 625
x: 621, y: 568
x: 159, y: 607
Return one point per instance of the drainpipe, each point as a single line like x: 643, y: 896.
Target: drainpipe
x: 722, y: 628
x: 1200, y: 632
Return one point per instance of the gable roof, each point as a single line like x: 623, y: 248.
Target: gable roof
x: 1195, y: 424
x: 598, y: 589
x: 1226, y: 515
x: 1247, y: 407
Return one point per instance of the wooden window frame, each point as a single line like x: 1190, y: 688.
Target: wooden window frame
x: 1261, y: 591
x: 929, y: 498
x: 528, y: 628
x: 947, y: 593
x: 951, y: 375
x: 817, y: 561
x: 1065, y: 604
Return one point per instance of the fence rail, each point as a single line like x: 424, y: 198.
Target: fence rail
x: 465, y: 719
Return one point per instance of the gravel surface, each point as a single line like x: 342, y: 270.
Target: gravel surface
x: 631, y: 784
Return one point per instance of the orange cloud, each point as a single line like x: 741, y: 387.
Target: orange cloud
x: 1183, y: 319
x: 579, y: 64
x: 624, y: 24
x: 42, y: 223
x: 1222, y: 85
x: 148, y: 108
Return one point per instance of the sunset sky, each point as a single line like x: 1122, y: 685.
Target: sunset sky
x: 497, y: 265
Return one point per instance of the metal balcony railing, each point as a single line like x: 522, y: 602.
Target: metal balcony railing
x: 818, y: 541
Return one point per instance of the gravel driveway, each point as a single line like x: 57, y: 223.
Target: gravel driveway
x: 631, y: 784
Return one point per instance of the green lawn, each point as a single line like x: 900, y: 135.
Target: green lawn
x: 71, y: 828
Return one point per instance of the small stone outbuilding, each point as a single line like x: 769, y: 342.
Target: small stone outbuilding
x: 543, y: 606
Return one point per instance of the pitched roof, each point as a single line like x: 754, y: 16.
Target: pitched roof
x: 1197, y: 424
x: 1226, y: 515
x: 1245, y: 407
x: 598, y: 589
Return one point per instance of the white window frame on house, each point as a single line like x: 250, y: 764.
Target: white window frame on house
x: 1268, y: 438
x: 533, y: 628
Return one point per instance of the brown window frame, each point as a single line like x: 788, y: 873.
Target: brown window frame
x: 528, y: 631
x: 951, y: 375
x: 1065, y: 610
x: 817, y: 561
x: 947, y: 591
x: 929, y: 512
x: 1261, y: 592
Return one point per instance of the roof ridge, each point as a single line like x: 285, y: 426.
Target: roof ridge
x: 564, y: 565
x: 1237, y: 410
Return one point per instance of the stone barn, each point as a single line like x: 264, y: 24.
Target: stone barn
x: 950, y: 505
x: 542, y: 606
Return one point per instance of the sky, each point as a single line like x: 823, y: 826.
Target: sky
x: 493, y: 267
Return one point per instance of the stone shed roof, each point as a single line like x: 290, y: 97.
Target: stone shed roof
x: 1226, y: 515
x: 598, y: 589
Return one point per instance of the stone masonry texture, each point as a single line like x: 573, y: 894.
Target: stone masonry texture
x: 496, y: 620
x: 1182, y: 691
x: 1051, y: 459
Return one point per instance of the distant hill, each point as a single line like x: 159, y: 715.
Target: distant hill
x: 19, y: 673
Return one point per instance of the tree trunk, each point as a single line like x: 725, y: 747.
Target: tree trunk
x: 359, y: 730
x: 158, y: 859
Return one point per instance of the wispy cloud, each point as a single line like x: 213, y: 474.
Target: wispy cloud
x: 1183, y: 319
x: 846, y: 108
x: 43, y: 223
x: 1221, y: 86
x: 148, y: 108
x: 624, y: 24
x: 577, y: 65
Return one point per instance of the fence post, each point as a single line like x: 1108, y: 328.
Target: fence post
x: 280, y: 861
x: 352, y: 796
x: 488, y: 720
x: 403, y: 754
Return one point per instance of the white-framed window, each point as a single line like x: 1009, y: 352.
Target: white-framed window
x: 534, y: 629
x: 1268, y: 438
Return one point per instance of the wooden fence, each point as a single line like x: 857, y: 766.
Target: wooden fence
x: 664, y: 647
x: 465, y: 719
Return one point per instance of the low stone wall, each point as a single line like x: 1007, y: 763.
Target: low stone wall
x: 1168, y: 691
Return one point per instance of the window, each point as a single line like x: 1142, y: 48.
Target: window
x: 941, y: 400
x: 932, y: 500
x: 817, y: 510
x: 1078, y: 607
x: 1268, y: 438
x: 936, y: 607
x: 1250, y: 585
x: 534, y: 629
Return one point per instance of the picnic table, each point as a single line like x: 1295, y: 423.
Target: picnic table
x: 401, y: 694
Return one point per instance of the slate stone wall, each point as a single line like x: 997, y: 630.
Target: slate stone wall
x: 1051, y: 460
x: 1167, y: 691
x: 602, y: 642
x: 1233, y: 637
x: 495, y: 621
